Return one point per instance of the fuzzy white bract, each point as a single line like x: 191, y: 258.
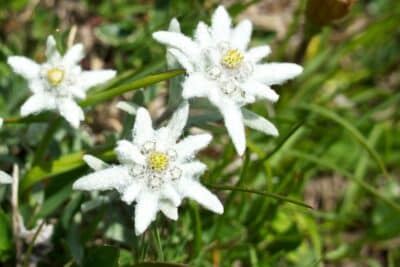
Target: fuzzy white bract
x: 222, y: 68
x: 5, y: 178
x: 56, y: 83
x: 155, y: 170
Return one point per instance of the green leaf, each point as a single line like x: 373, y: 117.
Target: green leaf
x: 59, y: 166
x: 146, y: 81
x: 104, y: 256
x: 259, y: 192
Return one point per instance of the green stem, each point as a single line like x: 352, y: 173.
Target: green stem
x: 31, y: 244
x: 44, y: 143
x: 157, y: 241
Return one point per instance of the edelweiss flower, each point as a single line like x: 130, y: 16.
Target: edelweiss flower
x: 221, y: 68
x: 58, y: 81
x: 156, y: 171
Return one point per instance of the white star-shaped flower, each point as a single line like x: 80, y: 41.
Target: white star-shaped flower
x: 222, y: 68
x: 156, y: 171
x: 56, y: 83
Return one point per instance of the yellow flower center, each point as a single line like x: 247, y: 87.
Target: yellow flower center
x: 55, y: 76
x: 232, y: 59
x: 158, y: 161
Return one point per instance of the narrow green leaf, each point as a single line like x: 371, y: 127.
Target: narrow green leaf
x: 259, y: 192
x: 104, y: 256
x: 146, y: 81
x: 351, y: 129
x: 62, y: 165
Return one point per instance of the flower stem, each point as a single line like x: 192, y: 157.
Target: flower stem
x: 45, y: 142
x: 157, y: 241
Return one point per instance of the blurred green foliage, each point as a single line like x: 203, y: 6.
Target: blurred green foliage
x: 338, y: 150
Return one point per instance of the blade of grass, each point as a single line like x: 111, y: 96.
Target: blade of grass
x: 351, y: 129
x: 259, y: 192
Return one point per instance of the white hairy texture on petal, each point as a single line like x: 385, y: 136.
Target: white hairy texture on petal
x: 74, y: 55
x: 37, y: 103
x: 234, y: 123
x: 145, y: 211
x: 88, y: 79
x: 256, y: 54
x: 276, y: 73
x: 193, y: 169
x: 174, y: 25
x: 260, y: 90
x: 95, y: 163
x: 36, y: 85
x: 191, y: 144
x: 130, y: 108
x: 221, y: 25
x: 116, y: 177
x: 131, y: 192
x: 5, y: 178
x: 259, y: 123
x: 169, y: 210
x: 202, y: 34
x: 169, y: 193
x: 52, y: 53
x: 70, y: 110
x: 196, y: 85
x: 241, y: 35
x: 178, y: 121
x: 182, y: 59
x: 23, y: 66
x: 128, y: 153
x: 194, y: 190
x: 178, y: 41
x: 143, y: 129
x: 163, y: 139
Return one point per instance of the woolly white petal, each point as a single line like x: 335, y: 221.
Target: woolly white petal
x: 260, y: 90
x: 169, y: 210
x: 174, y: 25
x: 94, y: 163
x: 178, y: 41
x: 5, y: 178
x: 71, y: 111
x: 221, y: 24
x: 234, y: 124
x: 115, y: 177
x: 259, y: 123
x: 23, y: 66
x: 191, y: 144
x: 128, y: 153
x: 169, y: 193
x: 88, y: 79
x: 181, y: 58
x: 145, y: 211
x: 131, y: 193
x: 202, y: 34
x: 256, y: 54
x: 194, y: 190
x: 37, y: 103
x: 241, y: 35
x: 196, y: 85
x: 178, y: 121
x: 276, y: 73
x: 193, y: 169
x: 143, y: 129
x: 52, y: 54
x: 36, y: 85
x: 74, y: 55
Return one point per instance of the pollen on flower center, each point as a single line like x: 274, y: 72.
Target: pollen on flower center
x: 55, y: 76
x: 232, y: 59
x: 158, y: 161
